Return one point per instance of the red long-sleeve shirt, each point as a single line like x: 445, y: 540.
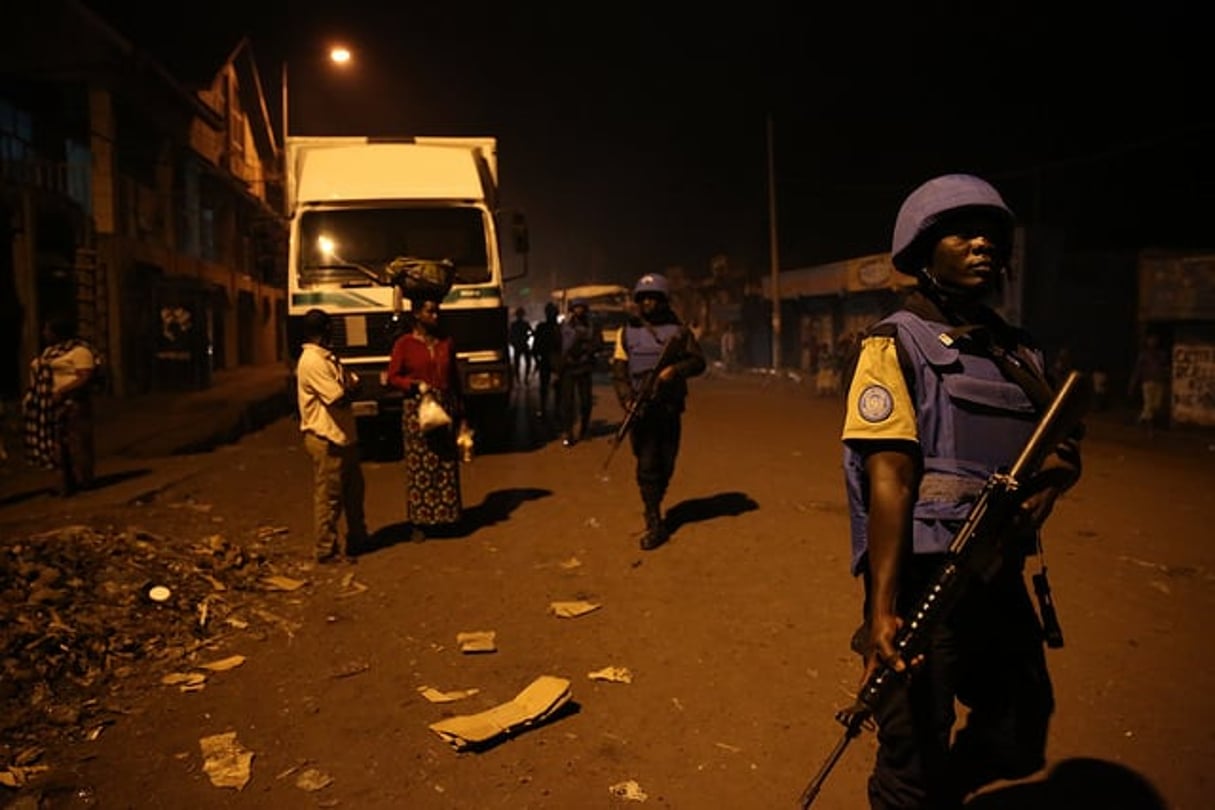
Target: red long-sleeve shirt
x: 413, y: 362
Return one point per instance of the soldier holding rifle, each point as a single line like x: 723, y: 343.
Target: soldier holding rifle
x: 654, y: 392
x: 944, y: 395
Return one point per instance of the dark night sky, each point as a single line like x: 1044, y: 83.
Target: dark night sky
x: 634, y: 137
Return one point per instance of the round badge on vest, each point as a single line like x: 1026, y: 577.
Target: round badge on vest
x: 875, y: 403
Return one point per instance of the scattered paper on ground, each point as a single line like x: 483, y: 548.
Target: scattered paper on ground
x: 629, y: 790
x: 16, y: 777
x: 313, y: 779
x: 571, y: 563
x: 224, y: 664
x: 569, y: 610
x: 350, y: 668
x: 281, y: 583
x: 533, y: 705
x: 477, y: 641
x: 225, y: 760
x: 614, y: 674
x: 186, y: 681
x: 435, y: 696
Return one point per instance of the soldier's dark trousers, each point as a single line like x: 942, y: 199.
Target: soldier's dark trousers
x: 546, y: 377
x: 655, y: 440
x: 990, y: 656
x: 575, y: 403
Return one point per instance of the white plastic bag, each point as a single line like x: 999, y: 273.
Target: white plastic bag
x: 431, y: 414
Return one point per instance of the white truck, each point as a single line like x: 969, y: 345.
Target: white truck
x: 356, y: 204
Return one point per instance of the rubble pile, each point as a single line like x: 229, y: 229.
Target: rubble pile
x: 82, y: 609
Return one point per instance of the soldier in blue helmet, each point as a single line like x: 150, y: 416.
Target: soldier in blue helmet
x: 943, y: 394
x: 656, y: 434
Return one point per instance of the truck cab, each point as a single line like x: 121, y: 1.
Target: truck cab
x: 360, y: 204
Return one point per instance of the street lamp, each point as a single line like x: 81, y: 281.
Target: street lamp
x: 339, y: 55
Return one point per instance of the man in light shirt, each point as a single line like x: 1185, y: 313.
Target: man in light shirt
x: 328, y: 425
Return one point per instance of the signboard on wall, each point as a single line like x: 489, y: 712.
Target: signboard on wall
x: 1194, y: 383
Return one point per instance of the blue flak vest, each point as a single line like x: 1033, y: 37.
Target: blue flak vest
x: 971, y: 422
x: 644, y: 347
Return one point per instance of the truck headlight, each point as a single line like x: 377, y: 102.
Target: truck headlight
x: 481, y: 381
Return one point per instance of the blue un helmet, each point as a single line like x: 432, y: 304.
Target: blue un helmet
x: 650, y: 283
x: 929, y: 204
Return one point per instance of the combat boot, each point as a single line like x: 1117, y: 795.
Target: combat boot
x: 655, y: 532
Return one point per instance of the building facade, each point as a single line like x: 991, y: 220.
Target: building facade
x: 145, y: 207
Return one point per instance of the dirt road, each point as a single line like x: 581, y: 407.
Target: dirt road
x: 735, y: 632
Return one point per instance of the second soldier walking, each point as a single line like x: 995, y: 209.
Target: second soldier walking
x: 656, y: 433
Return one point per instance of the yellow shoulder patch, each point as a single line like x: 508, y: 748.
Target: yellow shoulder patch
x: 879, y: 405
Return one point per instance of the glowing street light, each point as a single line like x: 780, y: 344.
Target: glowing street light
x: 339, y: 55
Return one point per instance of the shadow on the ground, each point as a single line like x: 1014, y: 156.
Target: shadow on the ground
x: 695, y: 510
x: 1075, y: 783
x: 497, y: 507
x: 100, y: 482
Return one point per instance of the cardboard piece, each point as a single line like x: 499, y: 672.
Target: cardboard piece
x: 535, y: 704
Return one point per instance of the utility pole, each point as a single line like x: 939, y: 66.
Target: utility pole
x: 774, y: 253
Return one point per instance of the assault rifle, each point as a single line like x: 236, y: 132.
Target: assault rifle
x: 645, y: 394
x: 975, y: 551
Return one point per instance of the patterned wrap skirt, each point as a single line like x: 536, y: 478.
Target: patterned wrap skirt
x: 432, y: 470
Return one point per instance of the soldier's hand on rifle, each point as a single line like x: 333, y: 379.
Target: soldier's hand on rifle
x: 1058, y: 473
x: 883, y: 627
x: 667, y: 374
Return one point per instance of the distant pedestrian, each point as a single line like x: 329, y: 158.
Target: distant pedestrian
x: 729, y: 348
x: 546, y: 352
x: 655, y: 436
x: 58, y: 405
x: 1150, y: 375
x: 324, y: 388
x: 520, y: 342
x: 579, y: 347
x: 423, y: 364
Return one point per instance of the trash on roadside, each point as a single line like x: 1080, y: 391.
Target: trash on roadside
x: 268, y: 532
x: 435, y: 696
x: 592, y: 522
x: 281, y: 583
x: 313, y: 779
x: 16, y: 776
x: 78, y: 615
x: 571, y: 610
x: 613, y: 674
x: 157, y: 593
x: 350, y: 669
x: 185, y: 681
x: 539, y: 701
x: 570, y: 564
x: 224, y: 664
x: 225, y: 761
x: 629, y: 791
x: 477, y: 641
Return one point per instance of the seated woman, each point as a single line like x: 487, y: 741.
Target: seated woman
x: 424, y: 361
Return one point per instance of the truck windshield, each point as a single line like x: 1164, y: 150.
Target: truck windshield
x: 334, y: 244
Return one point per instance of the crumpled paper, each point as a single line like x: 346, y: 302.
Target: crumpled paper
x: 225, y: 760
x: 570, y: 610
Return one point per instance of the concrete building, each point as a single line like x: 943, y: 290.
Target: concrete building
x: 145, y: 204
